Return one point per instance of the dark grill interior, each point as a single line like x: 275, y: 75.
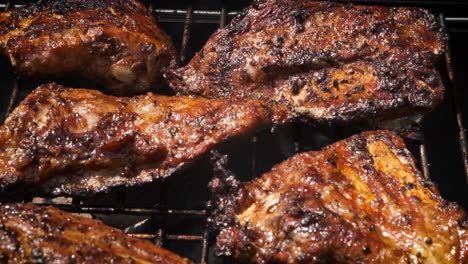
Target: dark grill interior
x: 173, y: 214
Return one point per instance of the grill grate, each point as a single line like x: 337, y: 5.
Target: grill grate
x: 456, y: 103
x: 166, y: 226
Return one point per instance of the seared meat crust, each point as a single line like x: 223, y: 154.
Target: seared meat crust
x: 32, y: 234
x: 360, y: 200
x: 325, y: 61
x: 74, y: 141
x: 115, y: 43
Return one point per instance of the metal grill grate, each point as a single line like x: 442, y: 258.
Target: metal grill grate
x: 166, y: 226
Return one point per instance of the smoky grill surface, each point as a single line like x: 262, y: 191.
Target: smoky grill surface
x: 172, y: 213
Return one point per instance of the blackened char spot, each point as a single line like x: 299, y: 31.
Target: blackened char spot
x: 37, y: 255
x: 331, y: 161
x: 463, y: 223
x: 297, y: 84
x: 238, y: 27
x: 320, y: 76
x: 300, y: 15
x: 335, y: 85
x: 366, y: 249
x: 428, y: 240
x: 357, y: 89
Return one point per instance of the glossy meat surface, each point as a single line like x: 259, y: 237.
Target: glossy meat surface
x: 325, y: 61
x: 32, y: 234
x: 360, y: 200
x: 73, y: 141
x: 115, y: 43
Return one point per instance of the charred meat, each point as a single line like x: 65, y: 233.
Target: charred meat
x: 360, y: 200
x: 33, y: 234
x: 73, y: 141
x: 324, y: 61
x: 115, y: 43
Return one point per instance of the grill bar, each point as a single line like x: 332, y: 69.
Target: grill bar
x: 124, y: 211
x: 14, y: 95
x: 457, y: 102
x: 7, y: 6
x: 297, y: 137
x: 206, y: 237
x: 424, y: 161
x: 253, y: 162
x: 222, y: 19
x: 186, y: 34
x: 456, y: 19
x: 158, y: 237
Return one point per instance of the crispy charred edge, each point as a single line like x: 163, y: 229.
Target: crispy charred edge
x: 230, y: 197
x: 38, y: 217
x: 238, y: 26
x: 50, y: 187
x: 279, y: 114
x: 223, y: 183
x: 223, y: 205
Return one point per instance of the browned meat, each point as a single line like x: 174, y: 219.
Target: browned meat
x: 360, y: 200
x: 32, y: 234
x: 113, y: 42
x: 325, y: 61
x: 70, y: 141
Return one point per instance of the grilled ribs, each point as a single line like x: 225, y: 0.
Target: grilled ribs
x: 360, y: 200
x: 115, y: 43
x: 73, y: 141
x: 33, y: 234
x: 325, y: 61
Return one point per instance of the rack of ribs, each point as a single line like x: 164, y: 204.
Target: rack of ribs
x: 360, y: 200
x: 73, y: 141
x: 326, y: 62
x: 33, y: 234
x: 116, y: 44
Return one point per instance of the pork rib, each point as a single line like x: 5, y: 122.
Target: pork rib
x: 324, y: 61
x: 360, y: 200
x: 64, y: 140
x: 115, y: 43
x: 33, y: 234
